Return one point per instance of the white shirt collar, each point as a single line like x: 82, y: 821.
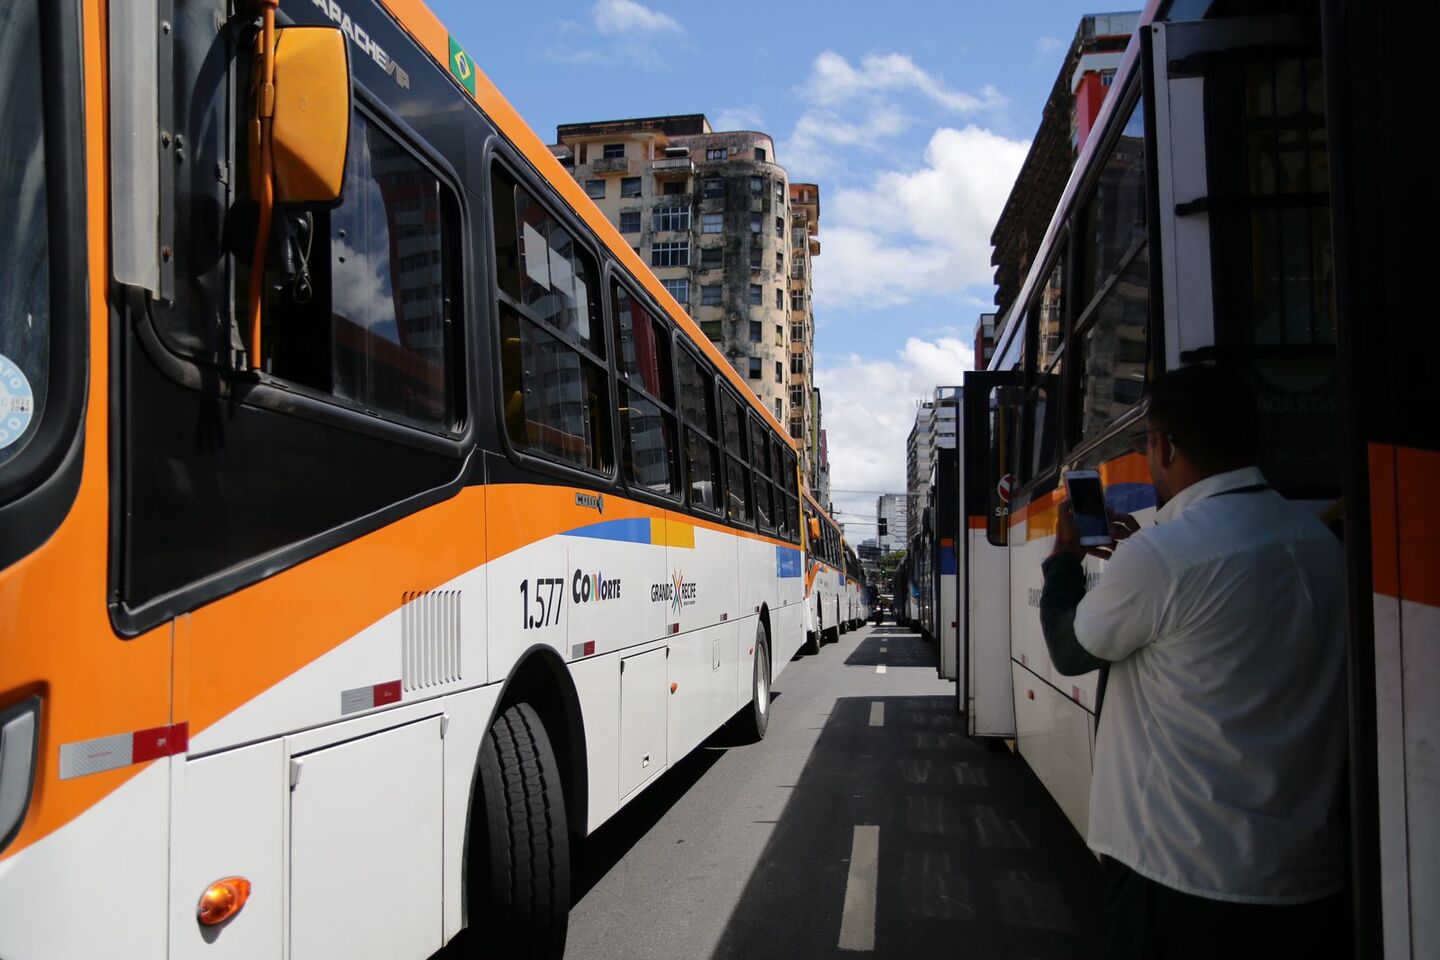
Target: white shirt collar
x: 1209, y: 487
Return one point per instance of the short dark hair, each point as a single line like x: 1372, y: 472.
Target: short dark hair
x: 1209, y: 414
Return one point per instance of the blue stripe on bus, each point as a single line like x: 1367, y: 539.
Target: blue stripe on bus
x: 635, y: 530
x: 1129, y: 497
x: 948, y: 565
x: 787, y: 562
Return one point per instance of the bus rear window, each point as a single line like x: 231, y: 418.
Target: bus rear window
x: 24, y: 233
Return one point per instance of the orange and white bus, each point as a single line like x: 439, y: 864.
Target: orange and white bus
x: 1248, y: 198
x: 372, y: 522
x: 826, y: 615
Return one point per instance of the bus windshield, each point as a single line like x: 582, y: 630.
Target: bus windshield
x: 24, y: 229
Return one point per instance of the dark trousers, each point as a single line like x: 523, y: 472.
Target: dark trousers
x: 1146, y: 920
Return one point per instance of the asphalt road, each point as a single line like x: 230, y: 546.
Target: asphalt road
x: 865, y: 824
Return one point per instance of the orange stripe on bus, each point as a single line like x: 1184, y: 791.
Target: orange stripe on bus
x: 1405, y: 522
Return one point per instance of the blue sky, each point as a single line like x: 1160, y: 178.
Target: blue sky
x: 913, y: 116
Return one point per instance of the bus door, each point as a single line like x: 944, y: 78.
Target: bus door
x: 1246, y: 259
x: 983, y: 690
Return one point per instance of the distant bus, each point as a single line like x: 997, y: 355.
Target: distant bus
x: 826, y: 594
x: 1246, y: 199
x: 327, y: 635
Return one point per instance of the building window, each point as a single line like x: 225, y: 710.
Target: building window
x: 797, y: 427
x: 779, y: 299
x: 779, y: 334
x: 778, y: 411
x: 754, y: 331
x: 780, y: 192
x: 779, y: 376
x: 713, y: 187
x: 760, y: 154
x: 797, y: 397
x: 613, y: 151
x: 675, y: 217
x: 755, y: 257
x: 754, y: 368
x: 673, y: 254
x: 1107, y: 77
x: 780, y: 227
x: 674, y: 188
x: 757, y: 185
x: 711, y: 329
x: 755, y: 223
x: 756, y: 298
x: 711, y: 257
x: 797, y: 363
x: 797, y: 271
x: 595, y: 189
x: 712, y: 223
x: 797, y: 299
x: 797, y: 332
x: 629, y: 221
x: 679, y: 289
x: 629, y: 186
x: 710, y: 295
x: 779, y: 261
x: 717, y: 153
x: 797, y: 237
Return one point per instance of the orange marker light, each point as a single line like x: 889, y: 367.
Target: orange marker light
x: 222, y: 900
x: 674, y: 686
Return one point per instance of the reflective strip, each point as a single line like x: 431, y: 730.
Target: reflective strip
x: 366, y: 698
x: 122, y: 749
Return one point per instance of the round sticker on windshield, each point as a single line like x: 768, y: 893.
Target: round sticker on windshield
x: 17, y: 402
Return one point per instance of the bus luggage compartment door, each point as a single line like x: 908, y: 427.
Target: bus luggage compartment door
x: 365, y: 847
x: 644, y: 703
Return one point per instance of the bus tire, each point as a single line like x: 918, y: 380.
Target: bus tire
x: 754, y: 720
x: 812, y: 642
x: 520, y: 886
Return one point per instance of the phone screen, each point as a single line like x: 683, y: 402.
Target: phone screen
x: 1087, y: 501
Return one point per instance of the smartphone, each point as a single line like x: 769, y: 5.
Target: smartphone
x: 1087, y: 502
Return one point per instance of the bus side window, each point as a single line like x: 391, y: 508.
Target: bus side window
x: 372, y: 324
x: 792, y: 498
x: 701, y: 428
x: 740, y: 505
x: 1042, y: 406
x: 646, y: 393
x: 760, y: 473
x: 1000, y: 425
x: 555, y: 384
x: 1111, y: 340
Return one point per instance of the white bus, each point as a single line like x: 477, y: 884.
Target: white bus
x: 338, y: 604
x: 1221, y: 212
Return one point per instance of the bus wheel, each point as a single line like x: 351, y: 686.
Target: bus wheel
x: 520, y: 885
x: 812, y: 642
x: 755, y: 719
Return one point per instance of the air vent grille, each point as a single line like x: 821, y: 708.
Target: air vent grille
x: 430, y: 638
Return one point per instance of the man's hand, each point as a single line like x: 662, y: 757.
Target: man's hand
x: 1067, y: 533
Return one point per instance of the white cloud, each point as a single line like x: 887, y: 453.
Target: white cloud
x: 627, y: 17
x: 747, y: 117
x: 833, y: 82
x: 920, y: 233
x: 868, y: 409
x: 867, y: 105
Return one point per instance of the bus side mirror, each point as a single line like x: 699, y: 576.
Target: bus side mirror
x: 310, y: 116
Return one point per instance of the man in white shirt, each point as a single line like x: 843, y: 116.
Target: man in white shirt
x: 1214, y: 802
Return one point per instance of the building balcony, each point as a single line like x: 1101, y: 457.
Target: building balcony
x: 613, y: 165
x: 673, y: 167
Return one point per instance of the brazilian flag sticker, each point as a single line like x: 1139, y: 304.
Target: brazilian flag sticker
x: 462, y: 68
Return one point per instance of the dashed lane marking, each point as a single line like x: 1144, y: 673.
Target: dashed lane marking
x: 877, y: 714
x: 880, y: 668
x: 857, y: 922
